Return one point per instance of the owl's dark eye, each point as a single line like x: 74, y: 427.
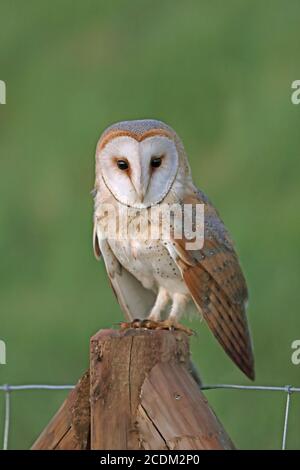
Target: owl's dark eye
x: 155, y: 162
x: 122, y: 164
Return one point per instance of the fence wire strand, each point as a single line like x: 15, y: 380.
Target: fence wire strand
x: 286, y: 417
x: 8, y: 389
x: 6, y: 417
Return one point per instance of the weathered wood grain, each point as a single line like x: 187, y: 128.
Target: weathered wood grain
x: 119, y: 364
x: 138, y: 394
x: 70, y: 427
x: 177, y: 408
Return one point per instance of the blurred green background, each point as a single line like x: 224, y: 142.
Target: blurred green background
x: 220, y: 73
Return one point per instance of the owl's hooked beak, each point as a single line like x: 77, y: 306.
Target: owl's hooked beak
x: 141, y: 186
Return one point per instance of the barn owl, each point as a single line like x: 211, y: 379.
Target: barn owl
x: 142, y: 165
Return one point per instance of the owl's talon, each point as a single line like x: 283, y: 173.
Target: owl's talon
x: 131, y: 324
x: 149, y: 324
x: 171, y: 325
x: 156, y: 325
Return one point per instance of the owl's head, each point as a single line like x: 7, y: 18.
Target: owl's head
x: 139, y: 161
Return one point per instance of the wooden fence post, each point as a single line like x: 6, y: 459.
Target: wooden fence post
x: 140, y: 396
x: 70, y: 426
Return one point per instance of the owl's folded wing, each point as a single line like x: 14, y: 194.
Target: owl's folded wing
x: 217, y: 285
x: 134, y: 299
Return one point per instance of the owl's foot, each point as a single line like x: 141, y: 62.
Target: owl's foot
x: 136, y: 323
x: 170, y: 324
x: 156, y: 325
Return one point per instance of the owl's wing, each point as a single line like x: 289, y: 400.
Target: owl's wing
x: 134, y: 299
x: 217, y: 285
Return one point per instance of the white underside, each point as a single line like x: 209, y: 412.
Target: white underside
x: 152, y: 265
